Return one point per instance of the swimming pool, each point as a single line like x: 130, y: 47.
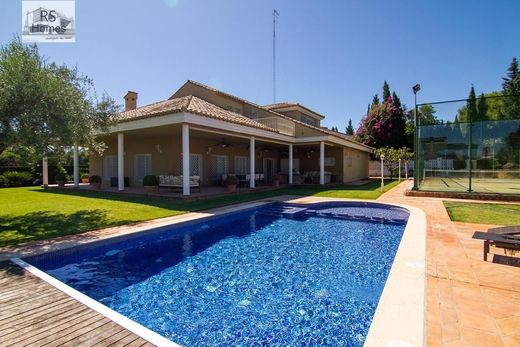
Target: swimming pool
x: 281, y: 274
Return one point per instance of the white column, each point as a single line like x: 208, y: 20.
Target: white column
x: 252, y: 162
x: 45, y: 171
x: 185, y: 159
x: 399, y: 169
x: 290, y: 163
x: 120, y: 161
x: 322, y: 162
x: 76, y: 166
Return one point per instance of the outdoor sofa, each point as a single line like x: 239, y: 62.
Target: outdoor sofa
x: 171, y: 181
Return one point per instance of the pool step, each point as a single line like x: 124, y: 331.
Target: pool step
x: 377, y: 218
x: 281, y: 211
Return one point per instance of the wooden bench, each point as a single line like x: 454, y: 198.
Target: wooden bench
x: 175, y: 182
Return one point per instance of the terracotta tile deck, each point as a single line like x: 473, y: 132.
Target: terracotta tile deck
x: 469, y: 302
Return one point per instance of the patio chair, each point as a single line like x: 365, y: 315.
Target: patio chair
x: 501, y: 237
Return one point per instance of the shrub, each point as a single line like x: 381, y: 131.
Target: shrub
x: 150, y: 180
x: 459, y: 164
x: 94, y: 179
x: 61, y: 176
x: 15, y: 179
x: 231, y: 180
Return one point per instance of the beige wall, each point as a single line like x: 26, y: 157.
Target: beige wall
x: 169, y: 161
x: 241, y: 107
x: 359, y: 168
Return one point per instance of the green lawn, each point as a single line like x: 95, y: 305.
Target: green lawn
x: 469, y: 212
x: 32, y: 213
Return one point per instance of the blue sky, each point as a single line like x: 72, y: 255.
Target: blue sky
x: 333, y: 56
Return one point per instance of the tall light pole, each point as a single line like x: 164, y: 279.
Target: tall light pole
x: 416, y: 89
x: 275, y: 16
x: 382, y: 173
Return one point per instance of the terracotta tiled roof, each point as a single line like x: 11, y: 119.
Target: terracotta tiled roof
x: 279, y: 105
x: 190, y: 104
x: 326, y: 131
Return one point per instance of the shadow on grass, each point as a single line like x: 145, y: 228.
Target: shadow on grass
x: 42, y: 225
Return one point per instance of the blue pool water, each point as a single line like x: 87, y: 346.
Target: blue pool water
x: 280, y: 275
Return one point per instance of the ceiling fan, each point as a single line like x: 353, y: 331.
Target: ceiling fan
x: 223, y: 144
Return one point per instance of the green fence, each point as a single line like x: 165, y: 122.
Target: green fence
x: 469, y: 156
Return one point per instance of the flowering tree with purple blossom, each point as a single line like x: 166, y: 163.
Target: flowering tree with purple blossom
x: 383, y: 126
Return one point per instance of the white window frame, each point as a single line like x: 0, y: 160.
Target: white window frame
x: 330, y: 161
x: 222, y: 156
x: 105, y: 170
x: 136, y: 169
x: 244, y: 164
x: 192, y: 161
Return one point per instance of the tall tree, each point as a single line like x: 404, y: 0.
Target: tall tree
x: 511, y: 88
x: 469, y: 111
x: 45, y: 106
x: 375, y: 100
x: 482, y: 108
x: 427, y: 115
x: 350, y: 128
x: 472, y: 105
x: 384, y: 126
x: 386, y: 92
x: 395, y: 98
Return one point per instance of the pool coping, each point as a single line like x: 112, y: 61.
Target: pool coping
x: 399, y: 319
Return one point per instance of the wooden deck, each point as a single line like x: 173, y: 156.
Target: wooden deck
x: 34, y: 313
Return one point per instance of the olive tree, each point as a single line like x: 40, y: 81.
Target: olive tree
x: 45, y: 106
x: 391, y: 157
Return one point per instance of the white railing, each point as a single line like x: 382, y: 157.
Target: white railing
x: 284, y: 126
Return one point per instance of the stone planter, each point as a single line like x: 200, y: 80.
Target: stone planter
x: 96, y: 186
x: 150, y: 189
x: 276, y: 183
x: 232, y: 188
x: 61, y: 183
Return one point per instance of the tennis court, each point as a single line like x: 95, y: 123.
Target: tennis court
x: 462, y: 155
x: 486, y: 182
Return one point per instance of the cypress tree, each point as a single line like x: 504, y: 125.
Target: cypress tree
x: 482, y: 108
x: 511, y: 87
x: 472, y: 105
x: 386, y: 92
x: 350, y: 128
x: 397, y: 101
x: 375, y: 100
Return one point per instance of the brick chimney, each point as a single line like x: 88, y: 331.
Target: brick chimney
x: 130, y: 101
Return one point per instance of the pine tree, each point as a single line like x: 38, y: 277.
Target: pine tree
x: 511, y: 88
x: 386, y: 92
x: 472, y: 105
x: 375, y: 100
x: 350, y: 128
x: 482, y: 108
x: 396, y: 100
